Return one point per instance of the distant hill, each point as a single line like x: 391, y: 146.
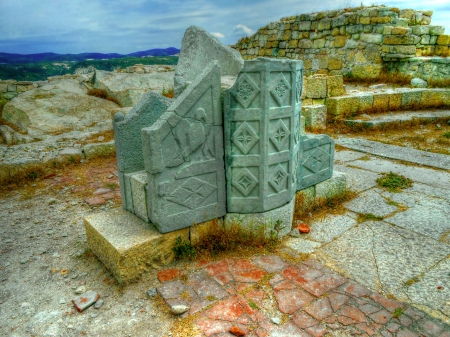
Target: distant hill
x: 53, y: 57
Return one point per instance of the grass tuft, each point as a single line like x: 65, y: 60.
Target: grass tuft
x: 368, y: 217
x: 169, y: 93
x: 394, y: 182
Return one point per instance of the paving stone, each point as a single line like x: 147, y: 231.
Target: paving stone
x: 288, y: 329
x: 405, y: 320
x: 85, y: 300
x: 319, y: 309
x: 270, y: 263
x: 205, y: 287
x: 406, y: 333
x: 303, y: 272
x: 276, y: 279
x: 330, y: 227
x: 381, y: 317
x: 227, y: 310
x: 168, y: 274
x: 377, y: 253
x: 368, y: 308
x: 317, y: 331
x: 303, y: 320
x: 301, y: 246
x: 396, y: 152
x: 428, y: 217
x: 347, y: 155
x: 321, y: 285
x: 337, y: 300
x: 358, y: 180
x: 370, y: 202
x: 212, y: 327
x: 289, y: 301
x: 174, y: 290
x: 431, y: 327
x: 393, y: 327
x: 217, y: 268
x: 356, y: 289
x: 387, y: 303
x: 284, y: 285
x: 435, y: 178
x: 352, y: 313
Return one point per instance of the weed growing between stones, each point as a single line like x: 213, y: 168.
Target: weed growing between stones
x: 394, y: 182
x: 398, y: 312
x: 446, y: 135
x: 368, y: 217
x: 221, y: 240
x: 320, y: 208
x: 169, y: 93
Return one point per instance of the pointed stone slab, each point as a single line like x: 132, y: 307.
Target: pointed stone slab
x: 316, y: 158
x: 128, y: 141
x: 199, y: 48
x: 262, y: 135
x: 183, y: 154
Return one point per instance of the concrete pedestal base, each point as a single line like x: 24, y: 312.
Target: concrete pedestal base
x: 127, y: 245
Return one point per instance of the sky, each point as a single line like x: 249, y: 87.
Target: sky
x: 126, y: 26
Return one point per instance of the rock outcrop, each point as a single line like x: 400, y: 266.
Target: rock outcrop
x: 56, y: 107
x: 128, y: 88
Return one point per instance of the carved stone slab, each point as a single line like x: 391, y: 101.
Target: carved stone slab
x: 127, y: 138
x: 316, y: 160
x: 262, y: 135
x: 183, y: 154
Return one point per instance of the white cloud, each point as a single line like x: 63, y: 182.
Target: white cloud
x: 218, y: 35
x: 243, y: 29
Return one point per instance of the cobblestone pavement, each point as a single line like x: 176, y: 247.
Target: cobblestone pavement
x: 266, y: 296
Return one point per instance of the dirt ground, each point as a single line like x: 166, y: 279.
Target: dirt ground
x: 45, y: 257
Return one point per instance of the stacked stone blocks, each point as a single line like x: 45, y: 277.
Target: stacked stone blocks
x: 353, y: 41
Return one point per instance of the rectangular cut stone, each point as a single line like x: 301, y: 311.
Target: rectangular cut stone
x: 380, y: 102
x: 183, y: 156
x: 138, y: 183
x: 316, y: 160
x: 128, y: 246
x: 315, y: 116
x: 316, y: 87
x: 304, y: 200
x: 276, y: 222
x: 411, y: 98
x: 262, y: 135
x: 335, y: 86
x: 333, y: 187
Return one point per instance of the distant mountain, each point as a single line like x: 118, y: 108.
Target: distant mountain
x: 53, y: 57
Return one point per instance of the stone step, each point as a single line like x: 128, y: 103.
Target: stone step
x: 398, y: 117
x: 387, y: 100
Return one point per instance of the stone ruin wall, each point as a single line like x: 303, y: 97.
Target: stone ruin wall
x: 358, y: 42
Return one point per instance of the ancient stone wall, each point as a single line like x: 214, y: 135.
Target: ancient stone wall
x: 351, y: 41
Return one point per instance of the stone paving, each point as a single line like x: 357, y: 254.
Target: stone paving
x: 396, y: 244
x: 267, y: 296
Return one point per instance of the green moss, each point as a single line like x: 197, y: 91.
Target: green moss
x: 394, y: 182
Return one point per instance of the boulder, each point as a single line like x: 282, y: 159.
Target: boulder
x: 128, y: 88
x: 418, y: 83
x: 56, y: 107
x: 199, y: 48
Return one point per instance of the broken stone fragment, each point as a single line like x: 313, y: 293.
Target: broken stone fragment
x: 295, y: 233
x: 237, y: 331
x: 85, y: 300
x: 302, y: 227
x: 179, y: 309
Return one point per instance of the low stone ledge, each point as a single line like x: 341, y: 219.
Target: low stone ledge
x: 96, y: 150
x: 127, y: 245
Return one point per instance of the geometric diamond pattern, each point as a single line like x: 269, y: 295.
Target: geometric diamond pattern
x: 244, y: 182
x: 191, y: 193
x: 280, y: 135
x: 278, y: 178
x: 317, y: 160
x: 245, y: 137
x: 280, y: 90
x: 246, y: 91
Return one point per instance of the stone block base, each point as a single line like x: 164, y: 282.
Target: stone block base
x: 277, y: 221
x: 127, y: 245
